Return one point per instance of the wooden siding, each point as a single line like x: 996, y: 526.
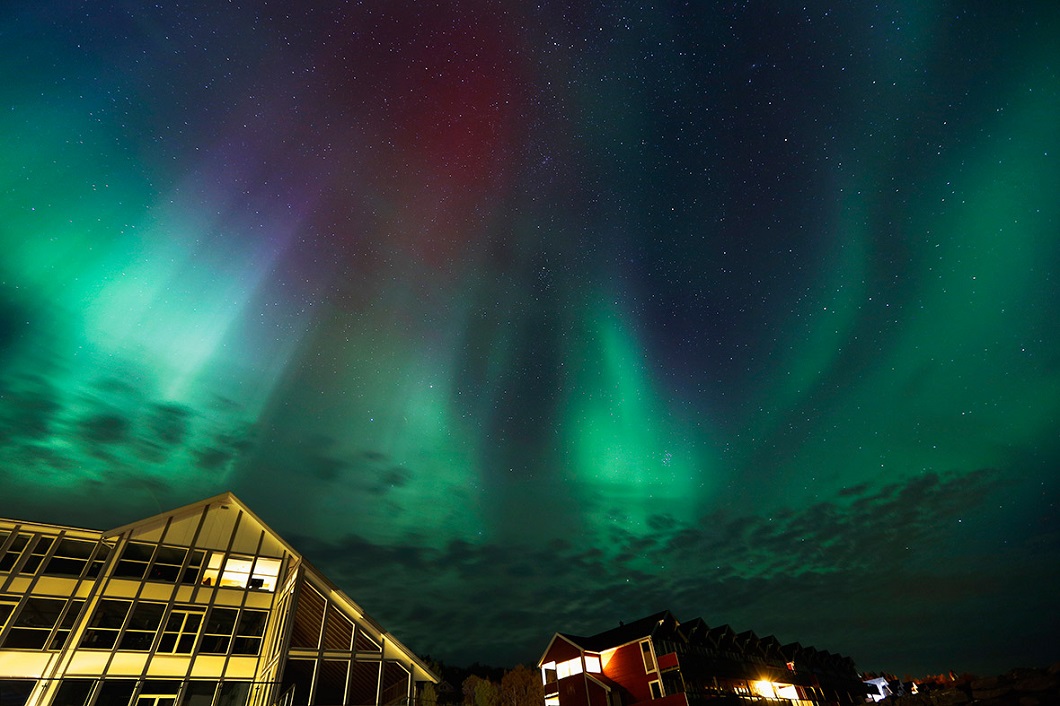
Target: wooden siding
x: 597, y: 694
x: 560, y: 651
x: 668, y: 661
x: 627, y: 668
x: 573, y: 691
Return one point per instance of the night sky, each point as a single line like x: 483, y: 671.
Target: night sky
x: 519, y: 318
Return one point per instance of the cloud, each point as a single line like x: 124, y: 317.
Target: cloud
x: 104, y: 429
x: 824, y: 574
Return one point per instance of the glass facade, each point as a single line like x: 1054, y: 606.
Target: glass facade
x: 203, y: 606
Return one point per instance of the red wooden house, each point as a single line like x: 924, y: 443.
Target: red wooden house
x: 669, y: 663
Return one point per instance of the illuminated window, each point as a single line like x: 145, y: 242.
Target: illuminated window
x: 787, y: 691
x: 569, y: 668
x: 180, y: 632
x: 242, y: 572
x: 763, y: 688
x: 592, y: 664
x: 649, y: 658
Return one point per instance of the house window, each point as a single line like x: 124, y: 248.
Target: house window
x: 592, y: 664
x: 180, y: 632
x: 169, y: 565
x: 198, y: 693
x: 10, y: 557
x: 16, y: 691
x: 569, y: 668
x: 240, y: 571
x: 37, y: 554
x: 73, y: 692
x: 217, y: 635
x: 656, y: 689
x: 102, y: 632
x: 250, y: 631
x: 115, y: 692
x: 233, y: 693
x: 66, y: 625
x: 6, y: 609
x: 96, y: 567
x: 142, y: 627
x: 134, y: 561
x: 34, y: 623
x: 649, y: 658
x: 70, y: 558
x: 158, y: 692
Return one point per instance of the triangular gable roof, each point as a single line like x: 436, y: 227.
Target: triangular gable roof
x: 694, y: 630
x: 558, y: 636
x: 223, y: 501
x: 228, y: 500
x: 623, y: 634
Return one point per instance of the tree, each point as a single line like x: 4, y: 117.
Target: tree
x: 521, y: 687
x: 480, y: 692
x: 487, y: 693
x: 428, y: 695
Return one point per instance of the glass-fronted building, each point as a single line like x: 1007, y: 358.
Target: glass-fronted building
x: 199, y: 606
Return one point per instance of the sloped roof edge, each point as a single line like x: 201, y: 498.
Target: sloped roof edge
x: 229, y: 498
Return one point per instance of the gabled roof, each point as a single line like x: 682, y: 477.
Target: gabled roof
x: 227, y: 501
x: 694, y: 630
x: 623, y: 634
x: 223, y: 500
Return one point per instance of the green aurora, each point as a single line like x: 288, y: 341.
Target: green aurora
x: 743, y: 311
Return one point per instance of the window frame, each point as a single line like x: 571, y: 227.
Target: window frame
x: 182, y: 632
x: 18, y: 625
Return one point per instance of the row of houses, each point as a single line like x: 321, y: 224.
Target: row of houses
x: 205, y: 605
x: 670, y: 663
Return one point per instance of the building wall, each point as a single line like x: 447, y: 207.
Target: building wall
x: 626, y: 665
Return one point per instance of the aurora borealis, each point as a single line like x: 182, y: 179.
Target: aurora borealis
x: 519, y: 317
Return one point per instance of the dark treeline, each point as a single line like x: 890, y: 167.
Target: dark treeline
x: 482, y: 685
